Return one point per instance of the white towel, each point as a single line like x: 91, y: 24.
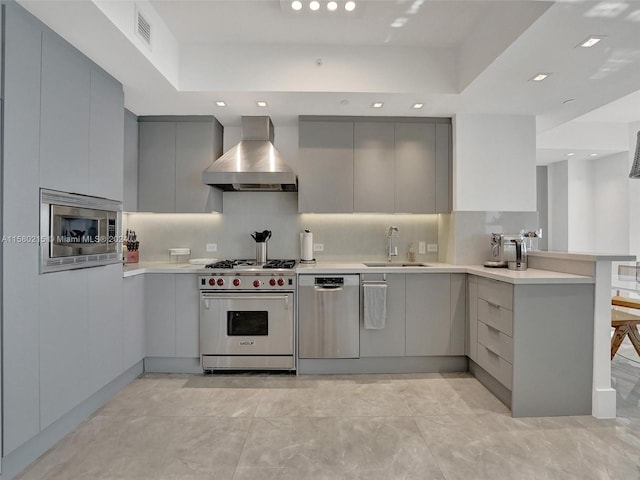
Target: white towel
x: 375, y: 306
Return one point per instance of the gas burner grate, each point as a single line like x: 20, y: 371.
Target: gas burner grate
x: 288, y: 264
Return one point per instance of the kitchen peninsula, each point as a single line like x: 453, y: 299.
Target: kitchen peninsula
x: 527, y: 336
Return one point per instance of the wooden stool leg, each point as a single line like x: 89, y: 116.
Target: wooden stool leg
x: 616, y: 340
x: 634, y: 336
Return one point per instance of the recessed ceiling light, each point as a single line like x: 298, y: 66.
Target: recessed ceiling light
x: 261, y: 103
x: 314, y: 5
x: 350, y: 6
x: 570, y: 154
x: 377, y: 105
x: 332, y: 6
x: 221, y: 103
x: 417, y: 105
x: 539, y: 77
x: 296, y: 5
x: 593, y: 155
x: 591, y: 41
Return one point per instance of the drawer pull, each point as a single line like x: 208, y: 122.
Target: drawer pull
x: 494, y: 305
x: 491, y: 351
x: 491, y: 327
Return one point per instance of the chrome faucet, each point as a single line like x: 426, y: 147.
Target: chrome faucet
x: 392, y: 250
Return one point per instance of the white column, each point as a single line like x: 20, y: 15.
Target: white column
x: 603, y: 396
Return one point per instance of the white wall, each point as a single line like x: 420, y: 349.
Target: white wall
x: 558, y: 237
x: 588, y: 205
x: 494, y: 163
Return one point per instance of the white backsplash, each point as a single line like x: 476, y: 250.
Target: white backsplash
x: 349, y: 237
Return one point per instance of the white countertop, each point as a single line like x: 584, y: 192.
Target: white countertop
x: 530, y: 276
x: 589, y: 257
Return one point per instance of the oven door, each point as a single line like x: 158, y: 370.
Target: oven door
x: 246, y: 323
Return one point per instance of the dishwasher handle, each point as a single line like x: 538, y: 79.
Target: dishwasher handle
x: 331, y: 288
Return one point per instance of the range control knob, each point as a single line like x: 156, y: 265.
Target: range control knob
x: 272, y: 282
x: 212, y: 281
x: 220, y: 282
x: 256, y: 283
x: 236, y: 282
x: 281, y: 281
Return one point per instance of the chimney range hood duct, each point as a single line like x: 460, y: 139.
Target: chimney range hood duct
x: 254, y: 164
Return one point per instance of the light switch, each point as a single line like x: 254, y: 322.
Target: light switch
x: 422, y: 247
x: 212, y: 247
x: 318, y: 247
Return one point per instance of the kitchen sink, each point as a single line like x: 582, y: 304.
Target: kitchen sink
x: 387, y: 264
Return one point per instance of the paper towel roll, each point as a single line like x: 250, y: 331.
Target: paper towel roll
x: 306, y: 246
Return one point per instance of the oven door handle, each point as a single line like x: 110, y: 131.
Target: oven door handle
x: 207, y: 297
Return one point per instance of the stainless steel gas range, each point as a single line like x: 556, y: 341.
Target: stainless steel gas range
x: 247, y: 315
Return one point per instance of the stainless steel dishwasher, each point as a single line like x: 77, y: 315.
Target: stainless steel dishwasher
x: 329, y: 316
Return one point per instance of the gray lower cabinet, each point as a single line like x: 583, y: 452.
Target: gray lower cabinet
x: 64, y: 123
x: 471, y: 339
x: 325, y: 167
x: 133, y: 320
x: 172, y: 315
x: 171, y: 158
x: 530, y: 341
x: 106, y: 342
x: 65, y: 343
x: 389, y: 341
x: 426, y: 316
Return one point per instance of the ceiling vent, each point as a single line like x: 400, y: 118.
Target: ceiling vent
x: 143, y: 28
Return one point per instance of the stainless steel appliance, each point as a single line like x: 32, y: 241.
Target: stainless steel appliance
x: 520, y: 262
x: 329, y: 316
x: 247, y: 315
x: 502, y: 249
x: 78, y: 231
x: 254, y: 164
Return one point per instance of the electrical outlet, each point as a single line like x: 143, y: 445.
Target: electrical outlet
x: 212, y: 247
x: 422, y: 247
x: 318, y: 247
x: 432, y: 247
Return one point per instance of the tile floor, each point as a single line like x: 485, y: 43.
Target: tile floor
x: 373, y: 427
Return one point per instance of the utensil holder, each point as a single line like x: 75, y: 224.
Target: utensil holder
x: 261, y: 252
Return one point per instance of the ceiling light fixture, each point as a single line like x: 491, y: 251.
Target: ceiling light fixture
x: 635, y: 168
x: 417, y: 105
x: 261, y: 103
x: 570, y: 154
x: 593, y: 155
x: 296, y: 5
x: 591, y: 41
x: 539, y: 77
x: 314, y: 5
x: 220, y: 103
x: 332, y: 6
x: 350, y: 6
x: 399, y: 22
x: 377, y: 105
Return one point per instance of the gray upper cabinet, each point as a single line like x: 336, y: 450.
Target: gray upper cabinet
x: 157, y: 167
x: 415, y: 167
x: 373, y: 188
x: 444, y: 168
x: 64, y: 121
x: 130, y: 181
x: 173, y: 152
x: 106, y: 136
x: 325, y: 167
x: 381, y: 165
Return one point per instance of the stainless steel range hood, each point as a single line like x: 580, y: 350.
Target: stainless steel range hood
x: 254, y: 164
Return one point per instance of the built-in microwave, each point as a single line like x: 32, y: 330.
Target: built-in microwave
x: 78, y: 231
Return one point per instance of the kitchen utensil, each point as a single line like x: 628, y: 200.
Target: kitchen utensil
x: 261, y: 237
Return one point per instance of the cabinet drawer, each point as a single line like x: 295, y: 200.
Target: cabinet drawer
x: 496, y: 341
x: 495, y: 365
x: 498, y: 293
x: 496, y: 316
